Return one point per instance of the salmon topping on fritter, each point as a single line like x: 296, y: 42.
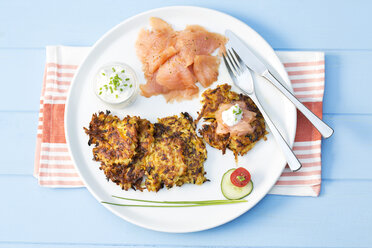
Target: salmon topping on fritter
x: 242, y: 127
x: 239, y: 138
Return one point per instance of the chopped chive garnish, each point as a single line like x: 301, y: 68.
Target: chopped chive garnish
x: 110, y: 77
x: 100, y: 93
x: 113, y: 69
x: 125, y: 85
x: 103, y: 74
x: 116, y: 96
x: 121, y: 89
x: 111, y: 90
x: 116, y: 81
x: 122, y: 71
x: 127, y: 79
x: 130, y: 86
x: 100, y: 88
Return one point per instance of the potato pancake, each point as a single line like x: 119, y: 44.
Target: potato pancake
x: 115, y: 139
x: 134, y: 153
x: 119, y: 146
x: 239, y: 144
x: 178, y: 154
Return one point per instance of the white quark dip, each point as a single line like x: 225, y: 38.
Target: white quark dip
x: 115, y: 84
x: 232, y: 115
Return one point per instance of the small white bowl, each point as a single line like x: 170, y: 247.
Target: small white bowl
x: 125, y: 100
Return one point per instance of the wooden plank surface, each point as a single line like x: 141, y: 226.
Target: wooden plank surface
x: 314, y: 24
x: 64, y: 217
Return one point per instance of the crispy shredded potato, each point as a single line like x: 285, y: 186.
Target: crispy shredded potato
x: 240, y: 145
x: 135, y: 153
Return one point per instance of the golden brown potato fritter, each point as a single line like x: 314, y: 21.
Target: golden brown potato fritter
x: 134, y: 153
x: 239, y: 144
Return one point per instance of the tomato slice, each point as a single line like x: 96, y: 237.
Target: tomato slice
x: 240, y: 177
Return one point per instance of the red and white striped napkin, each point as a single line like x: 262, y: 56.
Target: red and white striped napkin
x: 54, y: 167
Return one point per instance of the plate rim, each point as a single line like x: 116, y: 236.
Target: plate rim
x: 98, y: 42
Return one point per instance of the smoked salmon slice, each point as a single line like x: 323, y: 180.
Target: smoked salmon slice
x: 174, y: 61
x: 196, y: 40
x: 155, y: 46
x: 152, y: 88
x: 206, y: 69
x: 175, y: 76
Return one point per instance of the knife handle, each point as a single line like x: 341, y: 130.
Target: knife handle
x: 293, y: 162
x: 325, y: 130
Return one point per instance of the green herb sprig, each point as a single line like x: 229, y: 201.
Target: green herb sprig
x: 173, y: 204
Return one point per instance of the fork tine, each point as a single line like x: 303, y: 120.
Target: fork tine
x: 234, y: 61
x: 232, y: 75
x: 233, y: 67
x: 242, y: 65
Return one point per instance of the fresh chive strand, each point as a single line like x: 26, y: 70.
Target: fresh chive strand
x: 170, y: 206
x: 182, y: 202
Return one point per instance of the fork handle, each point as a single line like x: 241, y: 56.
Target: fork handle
x: 291, y: 158
x: 325, y: 130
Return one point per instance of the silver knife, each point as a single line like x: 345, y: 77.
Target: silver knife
x: 258, y: 67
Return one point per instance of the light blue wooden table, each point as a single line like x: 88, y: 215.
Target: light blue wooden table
x: 32, y: 216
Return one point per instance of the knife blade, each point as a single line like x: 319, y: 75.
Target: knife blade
x: 255, y: 64
x: 245, y: 53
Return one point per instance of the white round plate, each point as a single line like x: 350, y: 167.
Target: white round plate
x: 265, y: 161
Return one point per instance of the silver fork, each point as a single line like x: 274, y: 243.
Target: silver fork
x: 242, y: 78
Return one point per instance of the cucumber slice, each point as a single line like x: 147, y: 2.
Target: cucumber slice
x: 232, y: 192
